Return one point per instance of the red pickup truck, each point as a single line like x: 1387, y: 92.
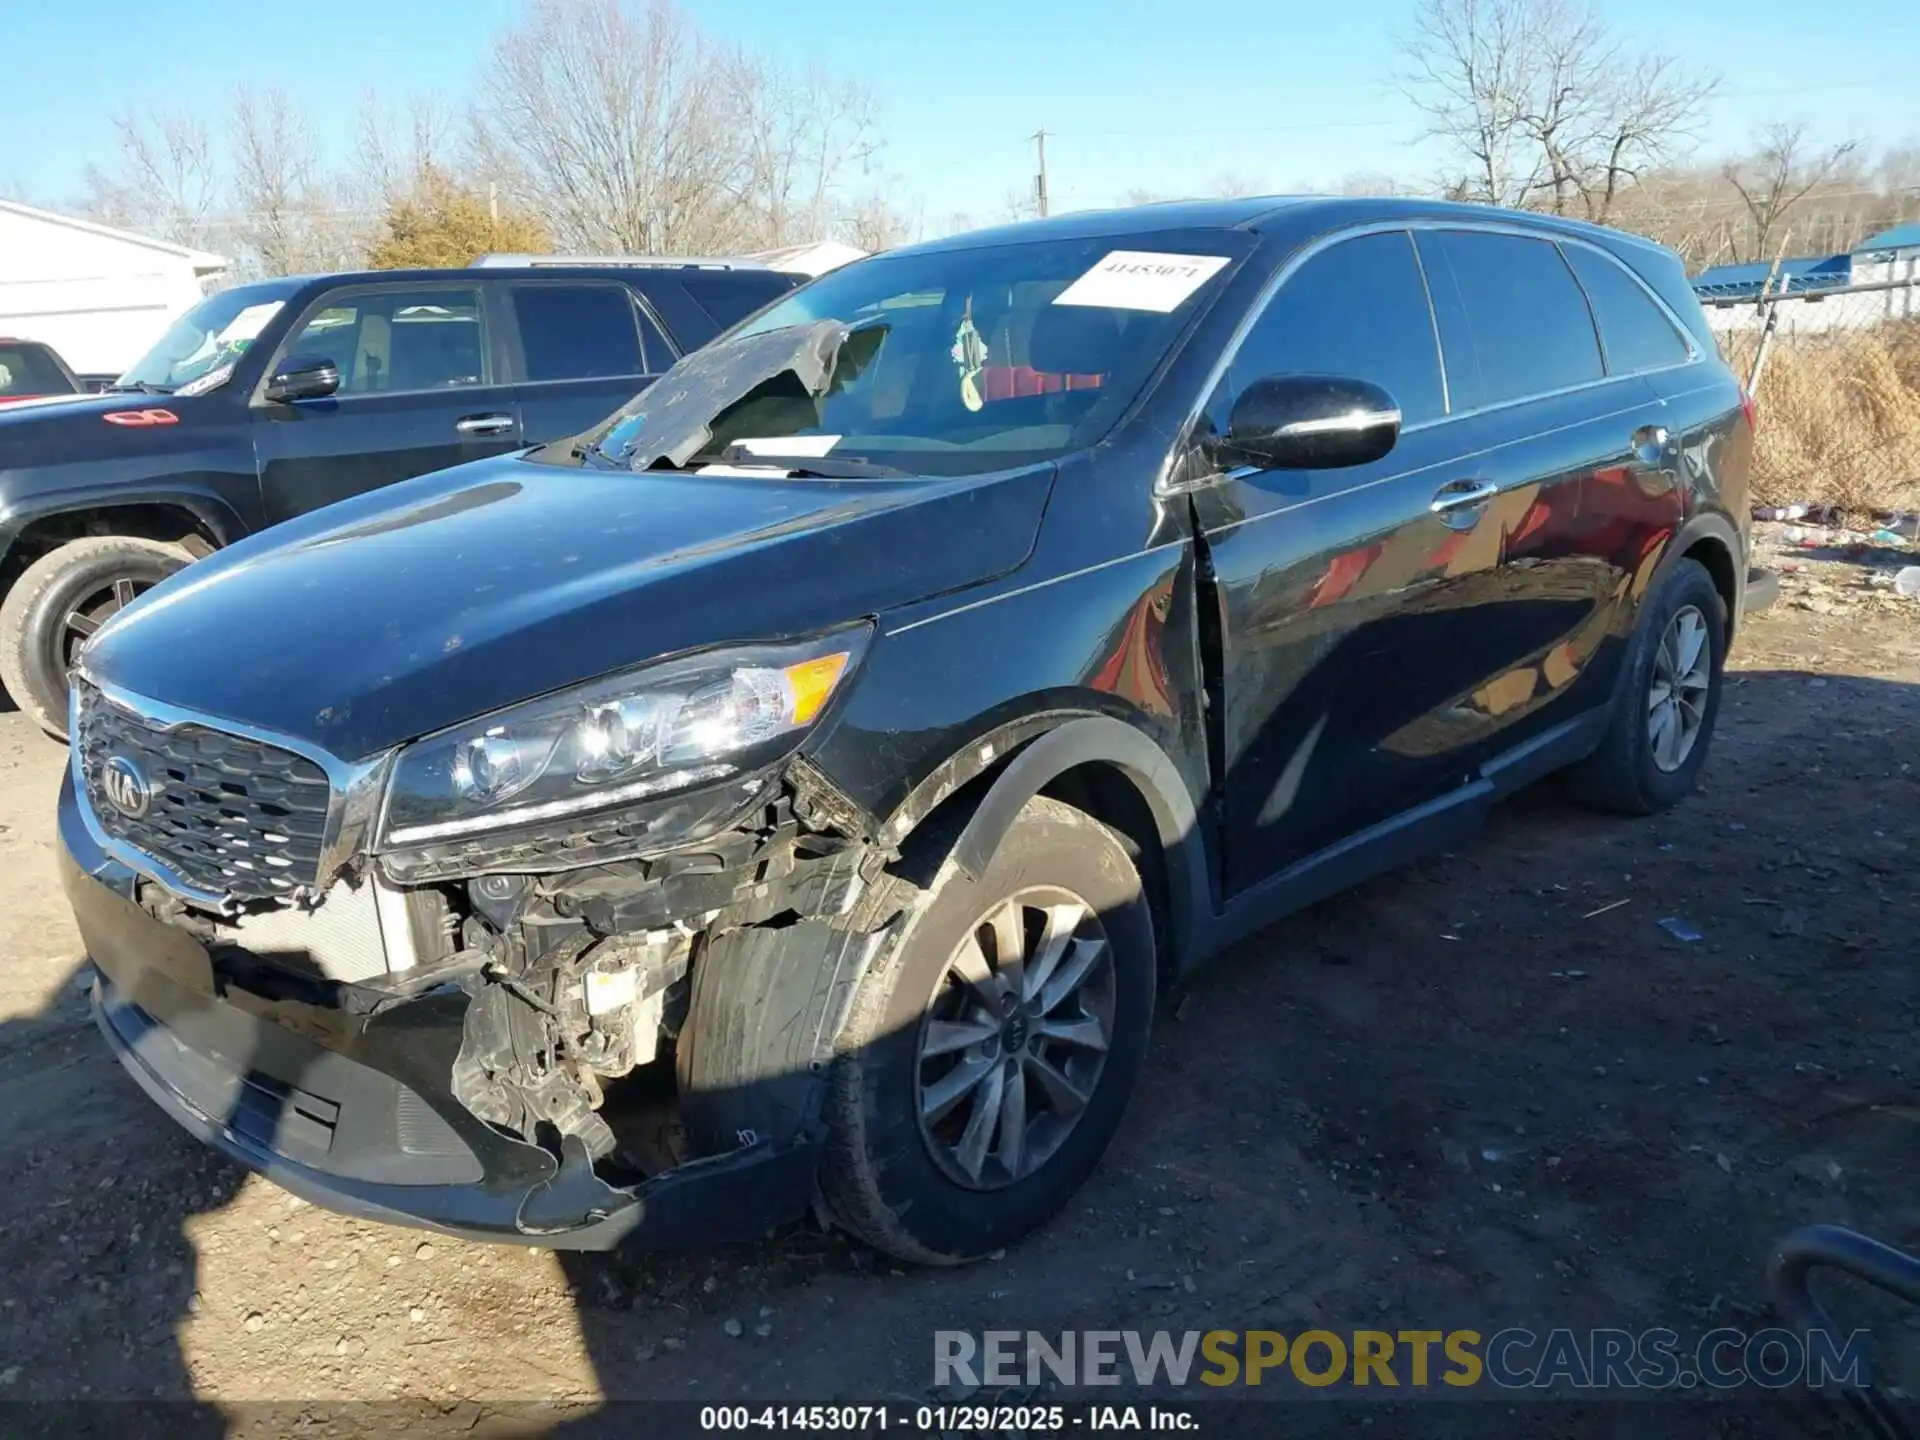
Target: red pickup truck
x: 30, y: 370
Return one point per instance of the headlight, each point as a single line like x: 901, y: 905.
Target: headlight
x: 620, y: 740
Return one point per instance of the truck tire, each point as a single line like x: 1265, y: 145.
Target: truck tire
x: 1667, y: 702
x: 60, y: 599
x: 989, y: 1054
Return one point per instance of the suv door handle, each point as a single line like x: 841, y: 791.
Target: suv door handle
x: 1457, y: 496
x: 484, y: 424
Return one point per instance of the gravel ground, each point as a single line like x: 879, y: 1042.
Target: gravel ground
x: 1489, y: 1090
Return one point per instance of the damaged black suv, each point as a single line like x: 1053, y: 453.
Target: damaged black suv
x: 793, y: 793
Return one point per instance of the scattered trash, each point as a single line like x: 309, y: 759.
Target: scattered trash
x: 1679, y: 929
x: 1907, y: 582
x: 1614, y: 905
x: 1796, y: 511
x: 1884, y: 536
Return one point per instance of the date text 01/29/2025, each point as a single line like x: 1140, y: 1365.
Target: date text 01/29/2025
x: 945, y: 1419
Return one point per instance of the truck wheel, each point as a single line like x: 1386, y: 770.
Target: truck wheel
x: 989, y: 1054
x: 61, y: 599
x: 1668, y: 700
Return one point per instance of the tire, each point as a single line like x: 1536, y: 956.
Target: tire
x: 96, y: 575
x: 901, y: 1185
x: 1626, y: 774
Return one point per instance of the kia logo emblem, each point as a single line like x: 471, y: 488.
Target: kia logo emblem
x: 126, y: 787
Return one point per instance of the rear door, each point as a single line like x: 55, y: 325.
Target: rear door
x: 420, y: 389
x: 582, y: 349
x: 1543, y: 425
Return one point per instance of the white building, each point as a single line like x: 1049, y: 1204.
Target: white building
x: 98, y: 295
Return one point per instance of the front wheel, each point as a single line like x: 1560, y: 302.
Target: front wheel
x: 991, y: 1051
x: 60, y: 600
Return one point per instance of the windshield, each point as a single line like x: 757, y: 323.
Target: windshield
x: 969, y: 360
x: 208, y: 338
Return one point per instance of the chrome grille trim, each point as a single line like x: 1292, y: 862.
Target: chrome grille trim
x: 354, y: 789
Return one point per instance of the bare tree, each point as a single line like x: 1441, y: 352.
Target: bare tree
x: 165, y: 180
x: 626, y: 129
x: 1465, y: 68
x: 1540, y: 104
x: 1782, y: 171
x: 398, y: 147
x: 286, y: 219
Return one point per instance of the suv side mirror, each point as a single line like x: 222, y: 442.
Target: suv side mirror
x: 303, y: 377
x: 1311, y: 422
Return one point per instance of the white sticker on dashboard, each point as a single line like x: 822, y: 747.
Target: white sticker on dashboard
x: 808, y: 446
x: 1141, y: 280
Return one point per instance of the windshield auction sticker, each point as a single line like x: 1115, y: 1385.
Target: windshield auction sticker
x: 1141, y: 280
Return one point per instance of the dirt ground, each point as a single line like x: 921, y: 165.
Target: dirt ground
x: 1489, y: 1090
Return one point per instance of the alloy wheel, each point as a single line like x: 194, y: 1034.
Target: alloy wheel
x: 1015, y: 1040
x: 88, y: 613
x: 1682, y: 680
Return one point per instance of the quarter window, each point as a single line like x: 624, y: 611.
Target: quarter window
x: 1637, y: 334
x: 1358, y: 310
x: 397, y: 340
x: 1513, y: 321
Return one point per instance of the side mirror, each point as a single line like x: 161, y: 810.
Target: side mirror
x: 1311, y: 422
x: 303, y: 377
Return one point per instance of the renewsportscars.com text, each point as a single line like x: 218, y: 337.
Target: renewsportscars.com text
x: 1509, y: 1359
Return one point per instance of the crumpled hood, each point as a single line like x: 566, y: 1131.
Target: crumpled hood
x: 415, y: 607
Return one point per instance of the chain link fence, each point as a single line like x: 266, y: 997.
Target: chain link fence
x: 1836, y: 376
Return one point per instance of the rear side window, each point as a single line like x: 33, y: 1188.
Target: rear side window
x: 1359, y: 310
x: 29, y: 370
x: 578, y: 332
x: 1635, y: 331
x: 1513, y: 321
x: 729, y: 296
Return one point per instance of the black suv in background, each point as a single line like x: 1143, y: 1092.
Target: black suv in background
x: 273, y: 399
x: 797, y: 789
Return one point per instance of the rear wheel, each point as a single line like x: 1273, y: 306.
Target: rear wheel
x: 990, y: 1053
x: 1669, y: 698
x: 62, y: 599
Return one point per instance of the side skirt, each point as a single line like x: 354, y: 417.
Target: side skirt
x: 1403, y: 838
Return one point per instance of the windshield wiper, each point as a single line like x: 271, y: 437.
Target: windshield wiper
x: 138, y: 387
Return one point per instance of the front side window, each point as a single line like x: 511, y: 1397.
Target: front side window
x: 1636, y: 332
x: 578, y: 332
x: 1359, y: 311
x: 399, y: 340
x: 201, y: 347
x: 1513, y: 321
x: 973, y: 359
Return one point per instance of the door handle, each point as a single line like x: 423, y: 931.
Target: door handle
x: 484, y: 424
x: 1452, y: 500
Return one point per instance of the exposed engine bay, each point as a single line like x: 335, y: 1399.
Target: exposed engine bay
x: 578, y: 979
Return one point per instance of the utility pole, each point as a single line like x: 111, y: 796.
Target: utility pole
x: 493, y: 201
x: 1040, y: 180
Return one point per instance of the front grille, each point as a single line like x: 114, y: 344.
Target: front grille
x: 228, y: 814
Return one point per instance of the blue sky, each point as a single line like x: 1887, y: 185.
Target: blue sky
x: 1160, y: 96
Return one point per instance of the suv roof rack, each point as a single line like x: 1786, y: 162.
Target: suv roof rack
x: 665, y: 262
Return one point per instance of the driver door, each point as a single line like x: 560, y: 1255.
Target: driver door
x: 1348, y: 607
x: 420, y: 389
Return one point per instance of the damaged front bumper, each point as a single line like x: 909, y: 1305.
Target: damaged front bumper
x: 343, y: 1096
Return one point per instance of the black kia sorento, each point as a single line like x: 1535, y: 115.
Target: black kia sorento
x: 793, y: 793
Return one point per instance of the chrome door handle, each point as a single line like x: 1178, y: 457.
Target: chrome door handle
x: 1462, y: 495
x: 484, y: 424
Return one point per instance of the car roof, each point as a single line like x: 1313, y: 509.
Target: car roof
x: 1289, y: 217
x: 708, y: 274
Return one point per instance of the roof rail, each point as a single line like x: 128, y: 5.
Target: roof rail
x: 663, y: 262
